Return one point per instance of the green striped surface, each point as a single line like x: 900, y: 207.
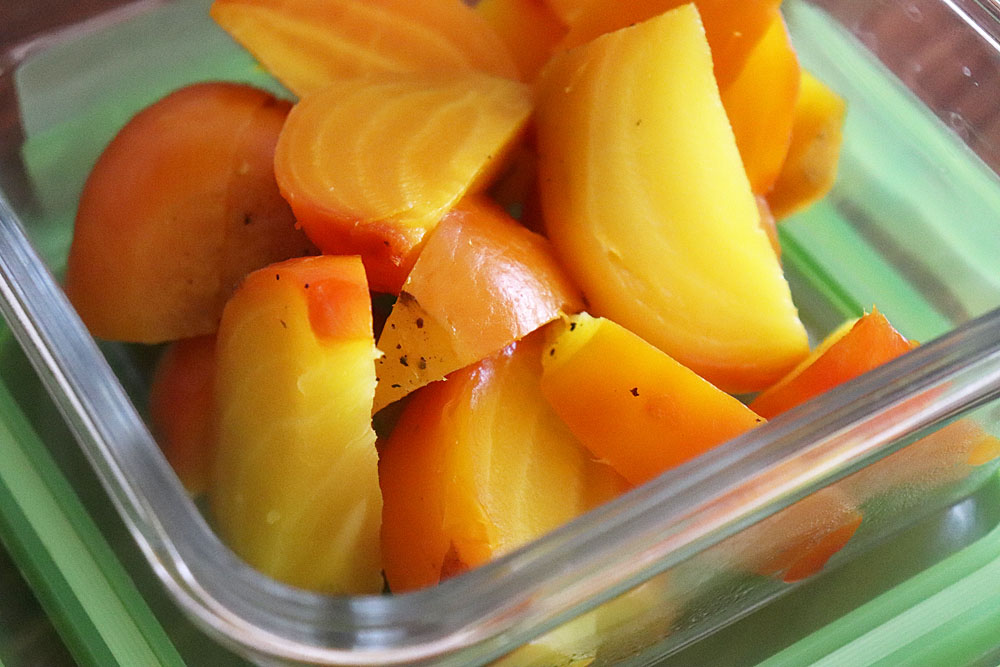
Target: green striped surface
x: 90, y: 599
x: 948, y: 615
x: 935, y: 274
x: 911, y: 225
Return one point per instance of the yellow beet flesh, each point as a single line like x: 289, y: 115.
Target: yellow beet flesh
x: 632, y: 405
x: 810, y: 169
x: 732, y: 28
x: 482, y: 282
x: 371, y: 165
x: 295, y: 491
x: 308, y: 44
x: 646, y: 200
x: 479, y: 465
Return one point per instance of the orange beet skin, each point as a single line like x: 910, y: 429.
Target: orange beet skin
x: 180, y: 206
x: 479, y: 465
x: 760, y: 104
x: 308, y: 44
x: 797, y: 542
x: 337, y: 298
x: 529, y: 28
x: 180, y: 407
x: 631, y: 404
x: 810, y: 167
x: 733, y: 28
x: 871, y: 342
x: 482, y: 282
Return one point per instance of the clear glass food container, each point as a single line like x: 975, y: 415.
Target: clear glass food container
x: 912, y: 227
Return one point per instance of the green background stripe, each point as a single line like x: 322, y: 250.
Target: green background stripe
x: 79, y: 582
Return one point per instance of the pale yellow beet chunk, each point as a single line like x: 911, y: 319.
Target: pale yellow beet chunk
x: 295, y: 487
x: 646, y: 201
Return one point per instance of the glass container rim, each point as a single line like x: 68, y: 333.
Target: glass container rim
x: 524, y: 593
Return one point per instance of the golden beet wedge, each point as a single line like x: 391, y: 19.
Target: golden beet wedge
x: 482, y: 282
x: 529, y: 28
x: 797, y: 542
x: 760, y: 104
x: 479, y: 465
x: 768, y: 223
x: 371, y: 165
x: 308, y: 44
x: 180, y: 206
x: 632, y: 405
x: 295, y: 482
x: 732, y: 28
x: 646, y: 201
x: 810, y: 168
x: 181, y: 409
x: 568, y: 11
x: 855, y: 348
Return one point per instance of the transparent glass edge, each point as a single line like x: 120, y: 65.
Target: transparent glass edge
x: 983, y: 16
x: 566, y: 544
x: 527, y: 592
x: 781, y: 479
